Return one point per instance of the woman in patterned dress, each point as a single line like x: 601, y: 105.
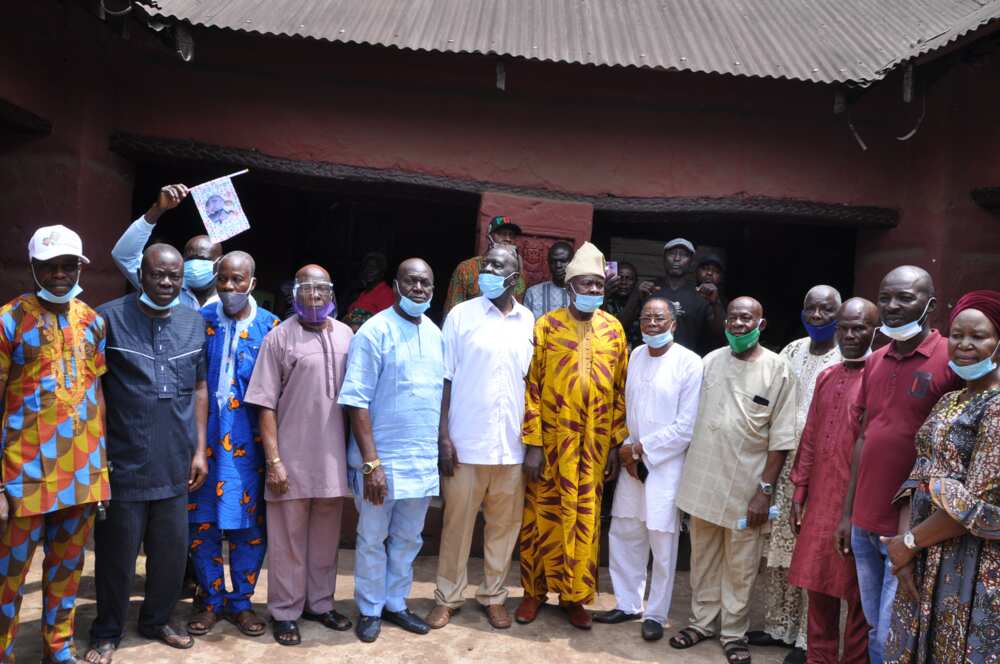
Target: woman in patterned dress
x: 947, y: 608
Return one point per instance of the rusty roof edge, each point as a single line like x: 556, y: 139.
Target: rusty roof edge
x: 987, y: 14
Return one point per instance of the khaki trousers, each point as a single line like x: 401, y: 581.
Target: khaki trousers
x: 724, y: 565
x: 500, y: 492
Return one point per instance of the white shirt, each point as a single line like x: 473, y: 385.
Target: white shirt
x: 661, y: 404
x: 486, y: 358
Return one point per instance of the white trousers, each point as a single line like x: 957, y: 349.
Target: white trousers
x: 629, y: 545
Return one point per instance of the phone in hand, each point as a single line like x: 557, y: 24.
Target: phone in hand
x: 641, y: 471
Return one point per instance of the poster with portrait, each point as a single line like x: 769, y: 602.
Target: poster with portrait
x: 220, y: 208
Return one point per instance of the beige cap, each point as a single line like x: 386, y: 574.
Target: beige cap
x: 588, y: 260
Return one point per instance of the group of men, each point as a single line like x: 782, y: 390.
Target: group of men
x: 184, y: 416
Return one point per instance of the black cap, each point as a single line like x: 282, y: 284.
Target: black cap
x: 711, y: 258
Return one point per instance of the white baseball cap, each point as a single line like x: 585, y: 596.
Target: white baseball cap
x: 51, y: 241
x: 679, y: 242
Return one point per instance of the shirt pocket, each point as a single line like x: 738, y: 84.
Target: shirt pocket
x: 185, y: 366
x: 756, y: 416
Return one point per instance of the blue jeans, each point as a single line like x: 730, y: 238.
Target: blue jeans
x: 387, y: 544
x: 877, y: 584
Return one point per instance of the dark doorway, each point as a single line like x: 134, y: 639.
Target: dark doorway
x: 298, y: 220
x: 773, y: 261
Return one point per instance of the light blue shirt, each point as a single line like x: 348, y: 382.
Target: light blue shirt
x: 395, y: 369
x: 127, y: 255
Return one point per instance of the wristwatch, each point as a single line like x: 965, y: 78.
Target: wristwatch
x: 765, y: 488
x: 910, y: 541
x: 369, y: 466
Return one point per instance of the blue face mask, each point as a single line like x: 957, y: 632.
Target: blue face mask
x: 977, y: 370
x: 199, y: 273
x: 819, y: 333
x: 657, y: 340
x: 586, y: 303
x: 159, y: 307
x: 908, y: 331
x: 49, y: 296
x: 492, y: 285
x: 411, y: 308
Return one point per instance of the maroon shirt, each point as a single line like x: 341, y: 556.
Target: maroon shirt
x: 821, y: 474
x: 897, y: 393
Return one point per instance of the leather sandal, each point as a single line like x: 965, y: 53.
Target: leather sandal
x: 248, y: 622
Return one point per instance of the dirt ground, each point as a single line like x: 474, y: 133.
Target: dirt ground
x: 469, y: 638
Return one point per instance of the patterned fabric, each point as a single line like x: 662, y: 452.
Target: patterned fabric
x: 246, y: 557
x: 545, y: 297
x: 957, y: 618
x: 806, y: 368
x: 616, y: 306
x: 53, y: 435
x: 464, y: 284
x: 231, y: 497
x: 63, y: 534
x: 575, y: 411
x: 369, y: 303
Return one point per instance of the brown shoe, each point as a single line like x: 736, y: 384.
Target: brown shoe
x: 579, y: 617
x: 439, y: 616
x: 527, y: 611
x: 498, y: 616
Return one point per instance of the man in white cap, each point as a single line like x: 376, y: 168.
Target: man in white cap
x: 699, y: 324
x: 51, y: 359
x: 574, y: 419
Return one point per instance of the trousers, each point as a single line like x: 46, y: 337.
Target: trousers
x: 63, y: 534
x: 161, y: 528
x: 724, y: 565
x: 824, y: 631
x: 389, y: 539
x: 629, y: 543
x: 877, y: 585
x: 303, y: 539
x: 246, y: 556
x: 500, y: 492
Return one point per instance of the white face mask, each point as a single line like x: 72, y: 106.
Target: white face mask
x: 907, y: 331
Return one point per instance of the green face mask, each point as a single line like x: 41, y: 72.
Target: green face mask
x: 744, y: 342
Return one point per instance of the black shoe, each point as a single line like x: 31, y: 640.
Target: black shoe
x: 368, y: 628
x: 406, y: 619
x: 331, y: 619
x: 762, y: 638
x: 797, y: 656
x: 615, y: 616
x: 651, y: 630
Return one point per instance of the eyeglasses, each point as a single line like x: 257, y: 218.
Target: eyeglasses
x: 315, y: 287
x: 653, y: 319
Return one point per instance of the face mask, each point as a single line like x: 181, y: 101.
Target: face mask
x: 492, y: 285
x: 586, y: 303
x: 198, y: 273
x: 908, y: 331
x: 744, y: 342
x: 977, y: 370
x: 314, y: 315
x: 159, y: 307
x: 411, y: 308
x: 819, y: 333
x: 49, y: 296
x: 657, y: 340
x: 233, y: 302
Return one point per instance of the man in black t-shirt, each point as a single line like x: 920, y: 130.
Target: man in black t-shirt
x: 699, y: 325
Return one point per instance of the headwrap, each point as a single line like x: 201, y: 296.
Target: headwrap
x: 986, y: 301
x: 588, y: 259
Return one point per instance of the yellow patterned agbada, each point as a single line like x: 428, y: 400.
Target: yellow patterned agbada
x: 574, y: 410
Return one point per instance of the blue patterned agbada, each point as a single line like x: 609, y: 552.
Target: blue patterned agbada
x: 231, y: 500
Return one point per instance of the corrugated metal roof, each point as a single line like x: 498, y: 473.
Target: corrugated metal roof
x: 822, y: 41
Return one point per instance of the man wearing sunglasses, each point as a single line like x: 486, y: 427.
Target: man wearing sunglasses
x: 200, y: 255
x: 53, y: 459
